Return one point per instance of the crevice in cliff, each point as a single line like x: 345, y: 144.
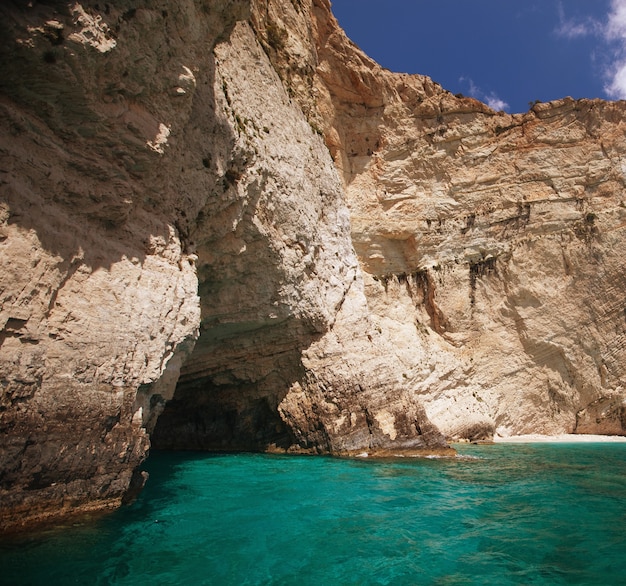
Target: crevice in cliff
x: 477, y: 270
x: 228, y: 398
x: 218, y: 418
x: 370, y: 423
x: 423, y: 281
x: 606, y: 415
x: 421, y: 288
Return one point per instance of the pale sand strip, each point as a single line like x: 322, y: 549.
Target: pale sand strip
x: 562, y: 438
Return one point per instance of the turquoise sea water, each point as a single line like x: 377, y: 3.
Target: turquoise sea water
x: 504, y: 514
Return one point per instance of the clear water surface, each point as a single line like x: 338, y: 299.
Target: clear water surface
x: 502, y: 514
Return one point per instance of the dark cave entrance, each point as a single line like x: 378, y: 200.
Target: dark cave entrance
x: 205, y: 416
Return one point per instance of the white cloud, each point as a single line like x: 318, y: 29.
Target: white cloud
x: 575, y: 29
x: 491, y: 99
x: 616, y: 25
x: 495, y: 103
x: 615, y: 34
x: 616, y: 87
x: 612, y: 34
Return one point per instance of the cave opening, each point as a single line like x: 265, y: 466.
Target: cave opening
x: 214, y: 418
x: 230, y: 389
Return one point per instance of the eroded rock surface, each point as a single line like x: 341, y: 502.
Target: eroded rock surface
x: 99, y: 303
x: 491, y: 244
x: 161, y: 186
x: 223, y: 227
x: 288, y: 357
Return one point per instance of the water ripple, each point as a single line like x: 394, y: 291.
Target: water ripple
x: 503, y: 514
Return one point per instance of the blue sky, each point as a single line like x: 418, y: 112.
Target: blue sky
x: 504, y: 52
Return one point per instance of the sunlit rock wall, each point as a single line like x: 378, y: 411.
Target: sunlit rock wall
x: 287, y: 358
x: 223, y: 227
x: 162, y: 189
x: 491, y: 244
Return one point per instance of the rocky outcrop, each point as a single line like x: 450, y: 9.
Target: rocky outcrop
x: 99, y: 302
x: 163, y: 190
x: 490, y: 244
x: 223, y: 227
x: 288, y: 358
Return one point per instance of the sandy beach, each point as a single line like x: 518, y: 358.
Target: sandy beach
x: 562, y: 438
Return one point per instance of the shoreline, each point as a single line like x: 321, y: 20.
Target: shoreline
x: 534, y: 438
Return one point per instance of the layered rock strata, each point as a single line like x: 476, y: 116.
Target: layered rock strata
x: 161, y: 186
x: 491, y: 244
x: 223, y: 227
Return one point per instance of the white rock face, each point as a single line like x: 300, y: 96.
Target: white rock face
x: 99, y: 293
x: 490, y: 245
x: 224, y: 227
x: 286, y: 358
x: 161, y: 185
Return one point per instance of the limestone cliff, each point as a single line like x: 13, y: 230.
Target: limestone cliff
x: 491, y: 244
x: 223, y: 227
x: 161, y: 186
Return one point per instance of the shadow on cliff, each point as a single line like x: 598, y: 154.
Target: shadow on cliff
x: 81, y: 167
x: 83, y: 185
x: 228, y: 396
x: 82, y: 189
